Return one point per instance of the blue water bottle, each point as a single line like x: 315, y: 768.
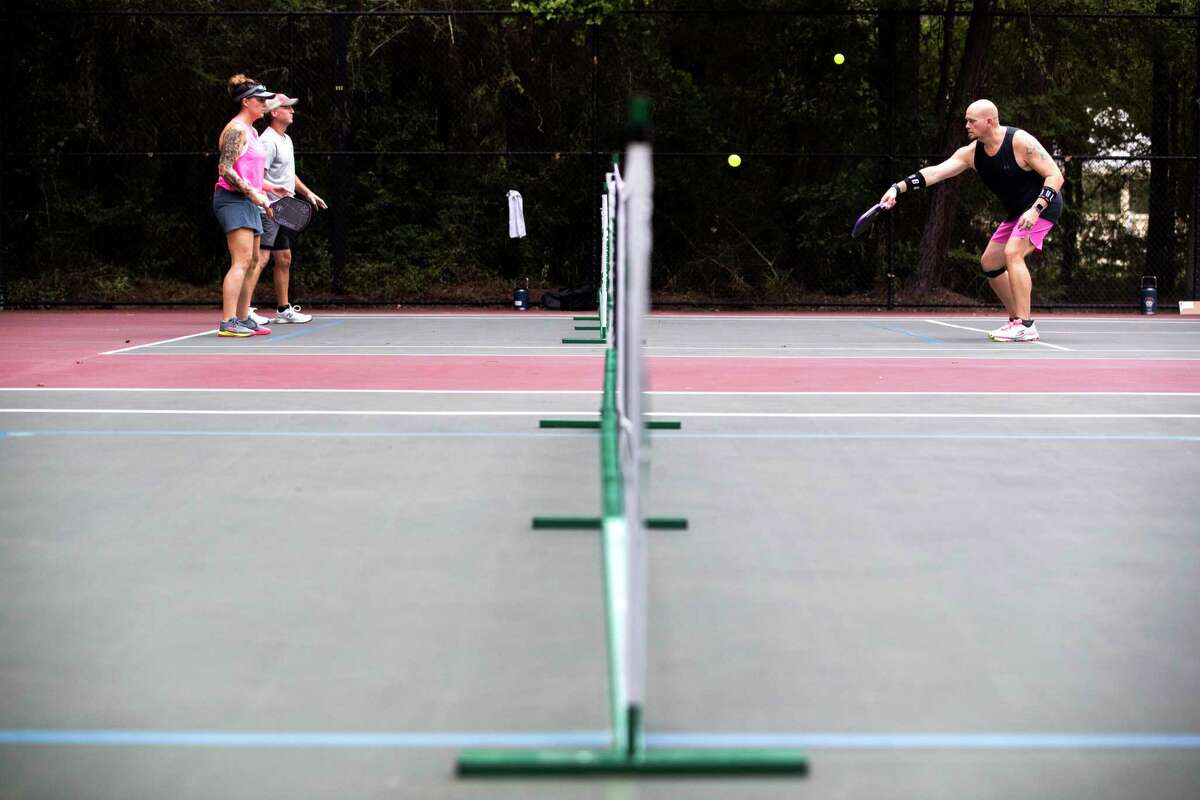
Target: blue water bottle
x: 1149, y: 294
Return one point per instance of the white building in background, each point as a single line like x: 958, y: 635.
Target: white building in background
x: 1118, y: 190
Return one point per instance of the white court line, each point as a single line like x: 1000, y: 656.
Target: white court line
x: 244, y: 347
x: 244, y: 390
x: 160, y: 342
x: 899, y: 316
x: 673, y: 316
x: 977, y: 330
x: 1131, y: 319
x: 260, y: 412
x: 690, y: 348
x: 914, y: 415
x: 697, y: 317
x: 291, y: 412
x: 243, y: 350
x: 597, y: 352
x: 823, y: 318
x: 1129, y: 349
x: 1070, y: 332
x: 452, y: 316
x: 934, y: 394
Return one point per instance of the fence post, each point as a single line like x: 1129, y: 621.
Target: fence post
x: 890, y: 229
x: 4, y: 103
x: 341, y: 161
x: 597, y: 167
x: 1195, y: 225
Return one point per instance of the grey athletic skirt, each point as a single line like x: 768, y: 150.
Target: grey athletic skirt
x: 234, y: 210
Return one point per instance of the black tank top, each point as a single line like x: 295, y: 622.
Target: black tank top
x: 1017, y: 188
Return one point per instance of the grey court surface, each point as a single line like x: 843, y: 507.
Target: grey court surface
x: 267, y: 594
x: 728, y: 335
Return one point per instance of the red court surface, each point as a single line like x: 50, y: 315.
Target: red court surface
x: 65, y: 349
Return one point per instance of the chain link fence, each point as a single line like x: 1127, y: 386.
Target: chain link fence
x: 414, y: 124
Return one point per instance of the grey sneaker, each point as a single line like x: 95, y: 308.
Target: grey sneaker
x: 232, y: 327
x: 254, y: 328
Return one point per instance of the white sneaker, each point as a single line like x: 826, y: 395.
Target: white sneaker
x: 258, y: 319
x: 1001, y: 329
x: 1017, y: 332
x: 292, y: 314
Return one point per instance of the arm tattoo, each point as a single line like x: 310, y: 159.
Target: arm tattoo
x: 1038, y: 152
x: 231, y: 148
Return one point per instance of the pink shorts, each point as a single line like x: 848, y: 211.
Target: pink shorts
x: 1036, y: 234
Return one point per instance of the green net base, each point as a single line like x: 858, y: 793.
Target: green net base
x: 498, y: 763
x: 596, y: 523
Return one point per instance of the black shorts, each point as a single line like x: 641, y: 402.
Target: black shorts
x: 276, y: 237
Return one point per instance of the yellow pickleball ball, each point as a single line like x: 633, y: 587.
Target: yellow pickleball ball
x: 838, y: 58
x: 734, y: 160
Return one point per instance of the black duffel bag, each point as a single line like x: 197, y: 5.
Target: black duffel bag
x: 582, y: 298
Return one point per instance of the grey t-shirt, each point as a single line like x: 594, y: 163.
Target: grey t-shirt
x: 281, y: 160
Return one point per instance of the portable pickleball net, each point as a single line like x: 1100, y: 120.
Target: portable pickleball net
x: 627, y: 210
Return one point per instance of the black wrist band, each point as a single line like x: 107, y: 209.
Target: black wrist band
x: 915, y: 181
x: 1048, y: 195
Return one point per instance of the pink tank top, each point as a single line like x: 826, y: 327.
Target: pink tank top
x: 250, y: 165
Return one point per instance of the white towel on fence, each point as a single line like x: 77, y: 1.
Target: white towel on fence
x: 516, y: 215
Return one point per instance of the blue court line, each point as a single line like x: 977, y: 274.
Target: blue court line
x: 304, y: 329
x: 926, y: 339
x: 935, y: 741
x: 392, y: 739
x: 573, y: 739
x: 1053, y: 437
x: 548, y: 434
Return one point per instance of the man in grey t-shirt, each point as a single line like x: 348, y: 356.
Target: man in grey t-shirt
x: 281, y: 171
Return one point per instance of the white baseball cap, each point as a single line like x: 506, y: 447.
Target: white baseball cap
x: 281, y: 101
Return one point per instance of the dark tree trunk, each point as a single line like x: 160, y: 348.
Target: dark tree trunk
x: 908, y: 78
x: 935, y: 238
x: 897, y: 77
x: 1069, y: 224
x: 941, y: 100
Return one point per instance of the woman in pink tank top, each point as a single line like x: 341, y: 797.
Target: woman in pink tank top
x: 237, y: 197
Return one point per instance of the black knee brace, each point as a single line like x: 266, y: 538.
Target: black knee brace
x: 996, y: 273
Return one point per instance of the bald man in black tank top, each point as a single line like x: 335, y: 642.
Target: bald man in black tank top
x: 1019, y: 171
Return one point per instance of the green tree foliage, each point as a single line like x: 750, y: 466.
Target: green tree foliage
x: 110, y: 141
x: 592, y: 12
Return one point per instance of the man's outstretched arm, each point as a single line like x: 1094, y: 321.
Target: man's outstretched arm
x: 955, y: 165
